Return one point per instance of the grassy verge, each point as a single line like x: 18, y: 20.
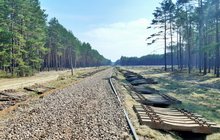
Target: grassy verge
x: 198, y: 93
x: 143, y: 131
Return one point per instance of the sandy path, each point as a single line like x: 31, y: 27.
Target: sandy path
x: 42, y: 77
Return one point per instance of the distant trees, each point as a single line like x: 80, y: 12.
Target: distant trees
x: 154, y: 59
x: 28, y: 44
x: 61, y: 46
x: 196, y: 23
x: 64, y: 50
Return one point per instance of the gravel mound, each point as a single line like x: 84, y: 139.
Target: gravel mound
x: 87, y: 110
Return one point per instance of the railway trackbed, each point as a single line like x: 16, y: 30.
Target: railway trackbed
x: 85, y: 110
x: 173, y: 119
x: 155, y: 110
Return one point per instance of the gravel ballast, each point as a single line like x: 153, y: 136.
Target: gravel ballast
x: 86, y: 110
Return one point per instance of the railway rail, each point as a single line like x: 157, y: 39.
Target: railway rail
x: 158, y: 99
x: 133, y: 132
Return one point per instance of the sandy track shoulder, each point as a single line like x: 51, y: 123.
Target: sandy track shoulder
x: 42, y: 77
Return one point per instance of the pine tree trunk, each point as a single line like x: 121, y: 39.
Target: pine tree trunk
x: 205, y: 64
x: 56, y: 61
x: 189, y: 42
x: 71, y: 66
x: 205, y: 53
x: 165, y: 44
x: 71, y: 61
x: 171, y: 44
x: 181, y: 59
x: 177, y: 48
x: 217, y: 40
x: 200, y: 35
x: 209, y: 62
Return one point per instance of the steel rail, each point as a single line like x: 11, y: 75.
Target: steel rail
x: 125, y: 112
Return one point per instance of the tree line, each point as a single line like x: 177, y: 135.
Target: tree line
x: 190, y: 31
x: 152, y: 59
x: 29, y: 44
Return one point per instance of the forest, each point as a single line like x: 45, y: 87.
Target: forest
x: 153, y: 59
x: 29, y: 43
x: 190, y: 29
x: 190, y: 32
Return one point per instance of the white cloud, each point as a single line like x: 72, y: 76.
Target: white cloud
x: 122, y: 39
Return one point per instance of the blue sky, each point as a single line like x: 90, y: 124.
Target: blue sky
x: 114, y: 27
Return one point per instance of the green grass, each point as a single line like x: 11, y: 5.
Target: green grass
x: 202, y: 100
x: 3, y: 74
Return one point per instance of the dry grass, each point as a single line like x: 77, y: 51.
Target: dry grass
x: 213, y: 137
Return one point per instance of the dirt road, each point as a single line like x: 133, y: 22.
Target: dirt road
x: 42, y: 77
